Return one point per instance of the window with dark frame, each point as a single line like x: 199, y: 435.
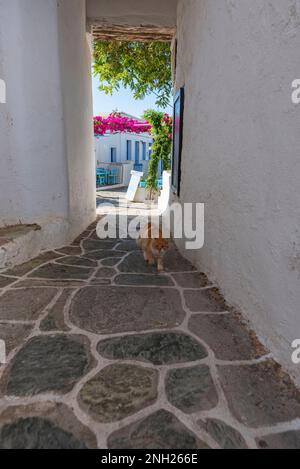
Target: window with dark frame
x: 128, y: 150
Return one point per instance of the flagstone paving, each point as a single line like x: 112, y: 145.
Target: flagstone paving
x: 158, y: 348
x: 191, y: 389
x: 33, y: 433
x: 102, y: 351
x: 47, y: 363
x: 54, y: 320
x: 118, y: 391
x: 111, y: 309
x: 161, y: 430
x: 226, y: 436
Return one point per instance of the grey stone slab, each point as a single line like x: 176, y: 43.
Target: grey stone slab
x: 227, y: 336
x: 118, y: 391
x: 110, y: 262
x: 144, y: 279
x: 36, y: 433
x: 77, y: 241
x: 158, y: 348
x: 26, y: 304
x: 54, y: 321
x: 105, y: 272
x: 14, y: 334
x: 96, y: 245
x: 23, y: 269
x: 5, y: 281
x: 58, y: 283
x: 191, y: 280
x: 286, y: 440
x: 55, y: 271
x: 127, y: 245
x: 175, y: 262
x: 77, y: 261
x: 47, y: 364
x: 191, y: 389
x: 209, y: 301
x: 100, y: 281
x: 70, y: 250
x: 107, y: 310
x: 225, y: 435
x: 104, y: 254
x: 43, y: 425
x: 260, y: 394
x: 161, y: 430
x: 135, y: 263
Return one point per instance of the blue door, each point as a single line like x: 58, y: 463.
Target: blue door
x: 113, y: 155
x: 144, y: 150
x: 128, y: 150
x: 137, y: 153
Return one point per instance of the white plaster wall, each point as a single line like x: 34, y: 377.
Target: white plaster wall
x: 237, y: 60
x: 33, y: 169
x: 47, y: 170
x: 133, y: 12
x: 75, y: 57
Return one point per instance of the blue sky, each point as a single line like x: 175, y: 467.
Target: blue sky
x: 122, y: 101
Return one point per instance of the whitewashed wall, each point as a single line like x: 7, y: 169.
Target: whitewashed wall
x: 33, y: 168
x: 46, y: 150
x: 75, y: 59
x: 237, y: 60
x: 134, y: 12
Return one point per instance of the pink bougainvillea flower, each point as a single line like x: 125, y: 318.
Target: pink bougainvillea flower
x: 116, y: 123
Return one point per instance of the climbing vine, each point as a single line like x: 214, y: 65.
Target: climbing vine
x: 161, y: 131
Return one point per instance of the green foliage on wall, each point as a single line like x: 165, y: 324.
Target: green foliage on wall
x: 162, y: 144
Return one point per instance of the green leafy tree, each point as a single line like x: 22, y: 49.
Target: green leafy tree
x: 162, y: 144
x: 143, y: 67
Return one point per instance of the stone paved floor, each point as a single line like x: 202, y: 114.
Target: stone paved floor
x: 104, y: 352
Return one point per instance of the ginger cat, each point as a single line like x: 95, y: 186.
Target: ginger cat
x: 154, y: 246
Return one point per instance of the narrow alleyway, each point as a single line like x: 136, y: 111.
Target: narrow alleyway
x: 104, y: 352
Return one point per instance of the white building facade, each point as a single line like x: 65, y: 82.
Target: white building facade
x: 124, y: 148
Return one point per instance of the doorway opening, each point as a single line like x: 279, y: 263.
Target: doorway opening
x: 132, y: 92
